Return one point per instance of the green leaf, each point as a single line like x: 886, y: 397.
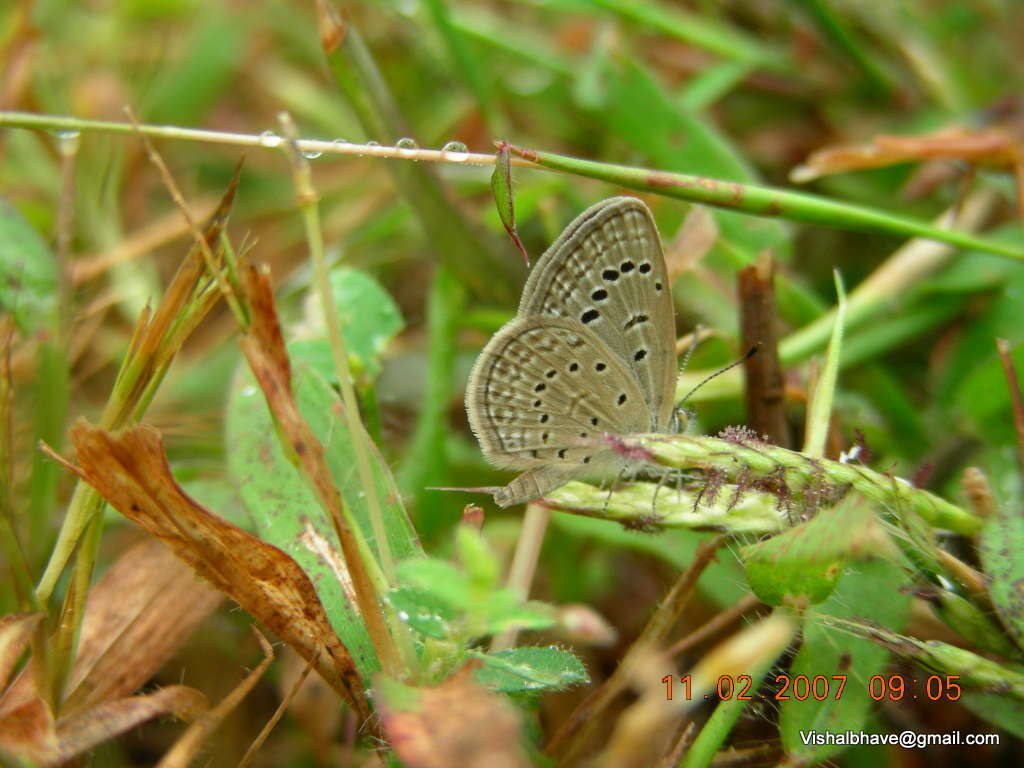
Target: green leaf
x: 422, y: 610
x: 804, y: 564
x: 530, y: 669
x: 871, y: 592
x: 1002, y: 711
x: 972, y: 379
x: 501, y: 188
x: 454, y: 596
x: 370, y: 319
x: 1002, y: 555
x: 982, y: 393
x: 505, y: 610
x: 444, y: 581
x: 28, y: 290
x: 480, y: 563
x: 972, y: 623
x: 286, y: 513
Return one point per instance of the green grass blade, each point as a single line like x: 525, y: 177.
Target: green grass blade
x: 426, y: 461
x: 763, y: 201
x: 846, y: 41
x: 698, y: 31
x: 474, y: 69
x: 486, y: 265
x: 819, y: 413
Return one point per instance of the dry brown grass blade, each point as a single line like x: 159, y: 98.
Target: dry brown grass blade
x: 15, y: 632
x: 157, y: 233
x: 130, y: 470
x: 282, y: 707
x: 458, y: 724
x: 136, y: 618
x: 264, y: 350
x: 574, y: 735
x: 309, y: 706
x: 185, y: 748
x: 995, y: 146
x: 84, y: 731
x: 30, y: 732
x: 695, y: 238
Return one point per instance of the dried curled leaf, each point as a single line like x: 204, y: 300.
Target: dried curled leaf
x: 130, y: 470
x: 30, y: 732
x: 137, y: 616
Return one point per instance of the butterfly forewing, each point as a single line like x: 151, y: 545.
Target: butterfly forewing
x: 545, y: 390
x: 607, y: 272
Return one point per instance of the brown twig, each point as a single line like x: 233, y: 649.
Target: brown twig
x: 274, y: 718
x: 764, y: 390
x: 674, y: 755
x: 186, y: 748
x: 575, y: 732
x: 713, y: 627
x: 1016, y: 401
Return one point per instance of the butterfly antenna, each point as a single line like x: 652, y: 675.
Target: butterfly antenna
x: 692, y: 347
x: 749, y: 354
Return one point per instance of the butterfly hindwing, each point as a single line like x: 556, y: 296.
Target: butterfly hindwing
x: 545, y: 390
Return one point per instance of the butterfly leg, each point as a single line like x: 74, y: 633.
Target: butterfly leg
x: 661, y: 482
x: 611, y: 488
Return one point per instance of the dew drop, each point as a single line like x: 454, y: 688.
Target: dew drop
x: 67, y: 141
x: 455, y: 151
x: 270, y: 139
x: 407, y: 147
x: 311, y: 154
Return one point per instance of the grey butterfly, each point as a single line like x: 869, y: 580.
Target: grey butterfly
x: 590, y: 352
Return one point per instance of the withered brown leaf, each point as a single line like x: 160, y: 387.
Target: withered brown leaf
x: 130, y: 470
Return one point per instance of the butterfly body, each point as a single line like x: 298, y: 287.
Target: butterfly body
x: 590, y: 352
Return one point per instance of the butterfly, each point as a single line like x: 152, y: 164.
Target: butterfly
x: 590, y: 352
